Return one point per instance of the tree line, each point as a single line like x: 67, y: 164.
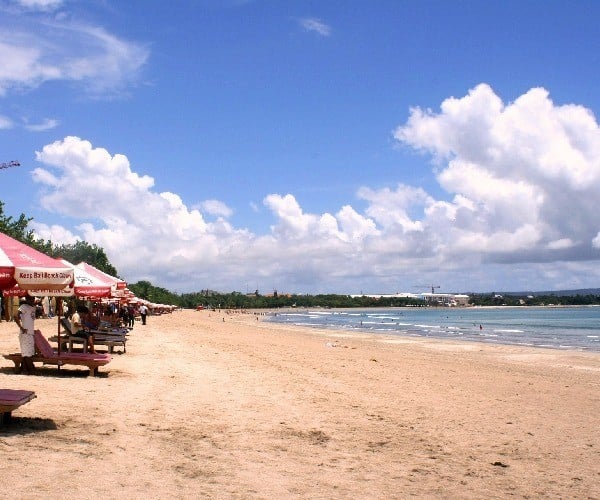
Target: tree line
x: 237, y: 300
x: 534, y: 300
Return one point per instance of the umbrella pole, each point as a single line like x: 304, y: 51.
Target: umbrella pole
x: 58, y: 311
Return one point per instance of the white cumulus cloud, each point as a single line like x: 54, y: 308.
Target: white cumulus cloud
x: 517, y: 205
x: 527, y: 173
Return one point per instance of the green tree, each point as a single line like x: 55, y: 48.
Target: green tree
x: 82, y: 251
x: 147, y: 291
x: 17, y: 229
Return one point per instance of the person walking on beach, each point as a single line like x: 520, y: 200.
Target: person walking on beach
x: 25, y: 319
x: 143, y: 313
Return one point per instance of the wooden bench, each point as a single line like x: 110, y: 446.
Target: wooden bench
x: 67, y: 342
x: 109, y: 338
x: 10, y: 400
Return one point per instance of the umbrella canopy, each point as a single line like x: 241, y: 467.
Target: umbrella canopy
x: 89, y: 285
x: 118, y: 285
x: 85, y: 285
x: 31, y: 269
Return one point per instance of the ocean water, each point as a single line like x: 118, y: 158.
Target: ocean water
x: 575, y: 328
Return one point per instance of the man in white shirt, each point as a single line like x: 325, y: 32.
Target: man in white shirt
x: 143, y: 313
x: 76, y: 321
x: 25, y: 320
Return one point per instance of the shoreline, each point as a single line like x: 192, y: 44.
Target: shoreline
x: 228, y: 406
x: 433, y: 308
x: 456, y: 330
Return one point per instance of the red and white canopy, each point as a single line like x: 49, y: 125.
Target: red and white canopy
x: 88, y: 285
x: 117, y: 284
x: 30, y: 269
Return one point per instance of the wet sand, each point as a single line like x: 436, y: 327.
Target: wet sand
x: 215, y: 405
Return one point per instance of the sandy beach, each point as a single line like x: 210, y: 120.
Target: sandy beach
x: 214, y: 405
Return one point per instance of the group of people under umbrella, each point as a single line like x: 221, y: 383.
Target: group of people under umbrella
x: 31, y: 280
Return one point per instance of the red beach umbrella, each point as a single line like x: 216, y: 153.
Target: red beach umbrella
x: 30, y: 269
x: 84, y: 286
x: 118, y: 285
x: 89, y: 285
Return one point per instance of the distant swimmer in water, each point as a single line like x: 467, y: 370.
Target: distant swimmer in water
x: 480, y: 327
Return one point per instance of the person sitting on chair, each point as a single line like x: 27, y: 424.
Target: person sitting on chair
x: 79, y: 325
x: 90, y: 320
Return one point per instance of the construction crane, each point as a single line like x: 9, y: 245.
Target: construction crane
x: 13, y: 163
x: 433, y: 287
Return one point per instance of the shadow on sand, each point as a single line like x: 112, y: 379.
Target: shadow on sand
x: 53, y: 371
x: 16, y: 425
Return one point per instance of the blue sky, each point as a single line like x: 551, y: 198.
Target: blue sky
x: 309, y: 146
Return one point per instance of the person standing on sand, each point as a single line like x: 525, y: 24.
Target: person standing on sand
x: 25, y: 319
x: 131, y: 312
x: 143, y: 313
x: 46, y: 307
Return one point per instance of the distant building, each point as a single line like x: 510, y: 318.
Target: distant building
x: 389, y: 296
x: 461, y: 300
x: 446, y: 299
x: 433, y: 299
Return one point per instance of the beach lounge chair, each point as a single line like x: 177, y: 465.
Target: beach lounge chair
x: 47, y: 355
x: 11, y: 399
x: 109, y: 338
